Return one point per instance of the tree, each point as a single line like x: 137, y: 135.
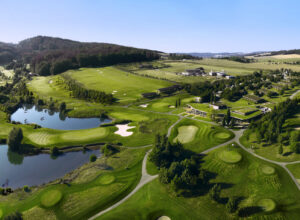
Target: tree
x: 55, y: 151
x: 280, y: 149
x: 231, y: 205
x: 62, y: 107
x: 214, y: 192
x: 295, y: 147
x: 228, y: 117
x: 93, y: 158
x: 14, y: 216
x: 15, y: 138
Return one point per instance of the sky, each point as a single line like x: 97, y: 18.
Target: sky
x: 164, y: 25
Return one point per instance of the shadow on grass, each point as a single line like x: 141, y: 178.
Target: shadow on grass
x: 248, y: 211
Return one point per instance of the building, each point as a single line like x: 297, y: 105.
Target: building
x: 217, y: 106
x: 198, y: 99
x: 229, y: 77
x: 194, y: 72
x: 253, y: 98
x: 196, y: 111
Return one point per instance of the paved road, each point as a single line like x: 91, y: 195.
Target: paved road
x: 294, y: 94
x: 146, y: 178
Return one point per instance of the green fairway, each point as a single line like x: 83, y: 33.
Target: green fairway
x: 91, y: 189
x: 186, y: 134
x: 199, y: 136
x: 243, y: 180
x: 124, y: 86
x: 51, y: 198
x: 268, y: 205
x: 230, y: 157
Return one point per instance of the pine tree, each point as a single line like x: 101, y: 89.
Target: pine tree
x: 280, y: 149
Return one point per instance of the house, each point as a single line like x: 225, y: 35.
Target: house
x: 221, y: 74
x: 198, y: 99
x: 218, y: 105
x: 170, y: 89
x: 149, y: 95
x: 229, y: 77
x: 195, y: 111
x: 265, y: 110
x: 253, y: 98
x: 194, y: 72
x: 211, y: 73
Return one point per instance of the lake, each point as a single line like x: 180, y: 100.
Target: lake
x: 28, y: 114
x: 18, y: 170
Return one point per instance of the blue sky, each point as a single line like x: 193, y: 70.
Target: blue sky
x: 166, y: 25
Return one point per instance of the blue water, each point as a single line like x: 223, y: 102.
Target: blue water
x: 17, y: 170
x: 50, y: 119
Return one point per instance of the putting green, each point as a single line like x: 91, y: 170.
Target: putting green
x: 222, y: 135
x: 230, y: 156
x: 51, y: 198
x: 186, y: 134
x: 106, y: 179
x: 268, y: 170
x: 267, y: 204
x: 41, y: 138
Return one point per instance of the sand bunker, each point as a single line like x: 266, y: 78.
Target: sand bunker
x: 50, y: 81
x: 144, y: 105
x: 122, y: 130
x: 297, y: 128
x: 164, y: 218
x: 115, y: 91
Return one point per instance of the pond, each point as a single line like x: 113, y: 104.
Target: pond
x: 17, y: 170
x: 28, y: 114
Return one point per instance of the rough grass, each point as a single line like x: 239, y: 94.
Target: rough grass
x: 51, y: 198
x: 186, y: 134
x: 37, y: 213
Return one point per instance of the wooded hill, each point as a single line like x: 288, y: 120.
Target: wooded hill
x: 48, y: 55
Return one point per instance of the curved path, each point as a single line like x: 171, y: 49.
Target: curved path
x: 295, y: 94
x: 146, y: 178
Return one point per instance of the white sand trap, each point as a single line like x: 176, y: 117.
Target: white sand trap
x: 115, y: 91
x: 171, y: 106
x: 164, y: 218
x: 122, y: 130
x: 50, y: 81
x: 297, y: 128
x: 144, y: 105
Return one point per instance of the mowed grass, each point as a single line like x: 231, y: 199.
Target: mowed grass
x: 51, y: 198
x: 199, y: 136
x: 244, y: 180
x: 124, y: 86
x: 91, y: 189
x: 186, y: 134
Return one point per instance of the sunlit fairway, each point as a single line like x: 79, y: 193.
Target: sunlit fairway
x: 268, y: 205
x: 51, y: 198
x: 230, y: 157
x: 186, y: 134
x: 124, y: 86
x: 222, y: 135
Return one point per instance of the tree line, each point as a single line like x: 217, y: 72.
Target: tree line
x: 80, y: 92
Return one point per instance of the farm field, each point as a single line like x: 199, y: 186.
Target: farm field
x: 244, y: 178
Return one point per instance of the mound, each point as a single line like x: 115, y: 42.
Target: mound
x: 51, y: 198
x: 230, y: 156
x: 106, y: 179
x: 267, y: 204
x: 186, y: 134
x: 164, y: 218
x: 268, y: 170
x: 222, y: 135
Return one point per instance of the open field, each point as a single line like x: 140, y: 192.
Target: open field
x: 124, y: 86
x: 243, y: 179
x: 90, y: 190
x: 204, y: 135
